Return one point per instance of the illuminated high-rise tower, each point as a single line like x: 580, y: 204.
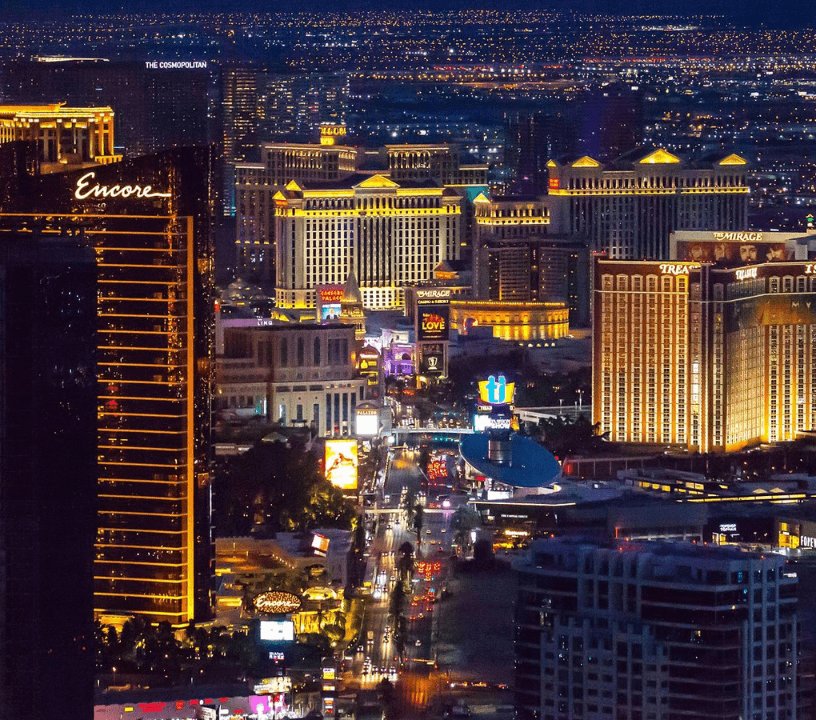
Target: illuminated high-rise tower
x: 147, y: 221
x: 628, y: 208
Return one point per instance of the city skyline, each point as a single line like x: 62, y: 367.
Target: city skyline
x: 429, y: 362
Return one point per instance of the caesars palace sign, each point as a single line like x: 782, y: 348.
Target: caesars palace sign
x: 85, y: 189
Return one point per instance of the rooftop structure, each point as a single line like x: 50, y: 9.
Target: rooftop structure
x: 66, y: 137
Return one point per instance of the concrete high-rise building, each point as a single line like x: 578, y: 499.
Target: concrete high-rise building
x: 390, y: 234
x: 48, y: 421
x: 517, y: 259
x: 239, y: 124
x: 292, y: 107
x: 147, y: 221
x: 611, y: 120
x: 701, y: 356
x: 256, y: 185
x: 532, y: 139
x: 157, y: 104
x: 433, y: 162
x: 628, y: 209
x: 653, y: 630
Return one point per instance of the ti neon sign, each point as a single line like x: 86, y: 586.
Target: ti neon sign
x: 84, y: 189
x: 675, y: 269
x: 496, y: 391
x: 746, y: 273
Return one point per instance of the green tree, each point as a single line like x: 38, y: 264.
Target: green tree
x: 405, y: 561
x: 277, y: 488
x: 418, y: 521
x: 565, y: 438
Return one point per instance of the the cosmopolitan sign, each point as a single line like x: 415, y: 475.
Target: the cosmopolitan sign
x: 86, y: 188
x: 176, y: 64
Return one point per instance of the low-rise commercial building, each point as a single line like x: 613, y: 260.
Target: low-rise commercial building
x: 292, y: 374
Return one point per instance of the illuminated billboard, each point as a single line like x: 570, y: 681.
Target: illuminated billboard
x: 432, y: 322
x: 496, y: 390
x: 320, y: 544
x: 329, y: 299
x: 432, y: 359
x: 730, y: 253
x: 438, y: 467
x: 277, y: 631
x: 368, y: 422
x: 341, y: 463
x: 273, y: 685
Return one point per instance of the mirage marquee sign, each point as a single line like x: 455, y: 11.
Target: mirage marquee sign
x: 86, y: 188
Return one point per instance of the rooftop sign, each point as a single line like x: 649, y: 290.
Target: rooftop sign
x: 84, y: 189
x: 496, y: 391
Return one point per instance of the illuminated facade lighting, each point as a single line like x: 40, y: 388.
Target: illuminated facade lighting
x: 628, y: 209
x: 706, y: 358
x: 390, y: 234
x: 257, y: 183
x: 512, y: 320
x: 153, y: 549
x: 66, y: 137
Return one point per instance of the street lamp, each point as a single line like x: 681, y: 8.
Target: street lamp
x: 580, y: 398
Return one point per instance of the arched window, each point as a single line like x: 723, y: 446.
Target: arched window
x: 301, y: 352
x: 317, y: 351
x: 284, y: 353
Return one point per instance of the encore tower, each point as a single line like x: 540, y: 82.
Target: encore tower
x: 147, y: 221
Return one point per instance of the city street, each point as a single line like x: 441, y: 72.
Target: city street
x: 378, y: 657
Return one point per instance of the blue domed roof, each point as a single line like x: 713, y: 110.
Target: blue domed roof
x: 530, y: 466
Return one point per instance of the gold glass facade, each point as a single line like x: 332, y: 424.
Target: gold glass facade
x: 147, y: 223
x: 147, y: 457
x: 701, y: 357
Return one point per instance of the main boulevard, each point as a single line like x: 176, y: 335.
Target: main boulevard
x: 375, y: 656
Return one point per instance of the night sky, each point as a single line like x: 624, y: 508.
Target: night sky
x: 772, y: 12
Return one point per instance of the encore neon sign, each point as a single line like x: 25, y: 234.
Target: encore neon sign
x: 84, y: 189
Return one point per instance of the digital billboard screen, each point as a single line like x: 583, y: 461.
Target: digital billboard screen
x: 277, y: 631
x: 432, y: 359
x: 368, y: 423
x: 433, y: 322
x: 320, y: 544
x: 329, y: 298
x: 341, y: 463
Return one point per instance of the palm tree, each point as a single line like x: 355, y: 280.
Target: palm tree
x: 405, y: 561
x: 463, y: 521
x: 419, y: 520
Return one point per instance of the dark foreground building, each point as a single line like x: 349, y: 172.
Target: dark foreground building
x: 147, y: 222
x: 47, y: 470
x: 654, y: 631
